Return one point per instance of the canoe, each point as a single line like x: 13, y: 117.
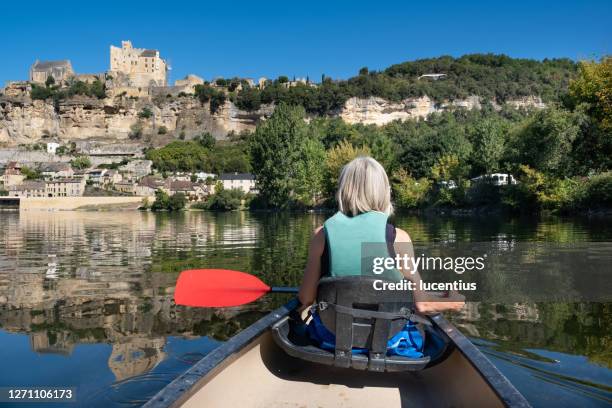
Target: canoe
x: 250, y: 370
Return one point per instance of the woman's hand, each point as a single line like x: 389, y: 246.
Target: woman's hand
x: 454, y: 301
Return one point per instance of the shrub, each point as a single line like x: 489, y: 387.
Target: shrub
x: 41, y: 92
x: 162, y: 130
x: 163, y: 201
x: 226, y: 200
x: 80, y: 162
x: 145, y: 113
x: 537, y: 191
x: 596, y: 192
x: 136, y: 130
x: 223, y: 200
x: 407, y: 191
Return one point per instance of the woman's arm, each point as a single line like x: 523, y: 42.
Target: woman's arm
x: 425, y: 303
x: 312, y: 273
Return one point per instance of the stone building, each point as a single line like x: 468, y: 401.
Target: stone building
x: 240, y: 181
x: 65, y: 188
x: 189, y: 83
x: 142, y: 67
x: 11, y: 177
x: 56, y: 170
x: 28, y: 189
x: 59, y: 70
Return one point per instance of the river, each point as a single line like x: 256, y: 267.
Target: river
x: 86, y: 300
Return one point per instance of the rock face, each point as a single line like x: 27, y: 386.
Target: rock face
x: 24, y: 121
x: 378, y: 111
x: 81, y: 118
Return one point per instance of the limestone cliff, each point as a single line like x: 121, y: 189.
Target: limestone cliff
x: 81, y: 118
x: 378, y: 111
x: 23, y: 121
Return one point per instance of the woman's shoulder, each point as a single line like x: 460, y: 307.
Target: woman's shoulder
x: 317, y: 243
x: 401, y: 235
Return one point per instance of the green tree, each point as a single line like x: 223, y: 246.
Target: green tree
x: 177, y: 202
x: 593, y: 86
x: 276, y: 148
x: 206, y: 139
x: 145, y: 113
x: 337, y: 158
x: 407, y: 191
x: 164, y: 202
x: 591, y: 94
x: 488, y: 139
x: 185, y: 156
x: 30, y: 174
x: 50, y: 81
x: 225, y: 200
x: 310, y: 172
x: 545, y: 140
x: 80, y: 162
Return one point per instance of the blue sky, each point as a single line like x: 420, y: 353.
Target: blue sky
x: 271, y: 38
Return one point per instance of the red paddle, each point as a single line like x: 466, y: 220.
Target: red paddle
x: 220, y: 288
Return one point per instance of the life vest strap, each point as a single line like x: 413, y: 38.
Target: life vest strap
x: 404, y: 313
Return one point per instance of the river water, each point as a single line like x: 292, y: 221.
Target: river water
x: 86, y: 300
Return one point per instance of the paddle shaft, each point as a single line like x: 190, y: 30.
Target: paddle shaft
x: 282, y: 289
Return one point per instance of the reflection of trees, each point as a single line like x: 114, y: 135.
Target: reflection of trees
x: 117, y: 271
x: 574, y: 328
x: 436, y: 227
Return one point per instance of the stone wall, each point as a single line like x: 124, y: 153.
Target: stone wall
x: 74, y: 203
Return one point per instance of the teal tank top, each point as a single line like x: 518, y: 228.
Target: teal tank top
x: 352, y: 244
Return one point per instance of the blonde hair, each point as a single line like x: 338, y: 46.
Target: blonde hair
x: 363, y: 186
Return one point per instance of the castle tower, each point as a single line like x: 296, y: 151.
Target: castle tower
x: 142, y: 67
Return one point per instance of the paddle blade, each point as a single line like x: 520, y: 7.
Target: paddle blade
x: 217, y: 288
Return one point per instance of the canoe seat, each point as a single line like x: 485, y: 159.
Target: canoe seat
x: 361, y: 318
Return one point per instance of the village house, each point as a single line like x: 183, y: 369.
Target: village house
x: 96, y: 176
x: 148, y: 186
x: 28, y: 189
x: 125, y: 187
x: 241, y: 181
x: 111, y: 177
x: 11, y: 177
x: 40, y: 71
x: 68, y: 187
x: 53, y: 170
x: 203, y: 176
x: 193, y: 191
x: 52, y: 147
x: 81, y: 174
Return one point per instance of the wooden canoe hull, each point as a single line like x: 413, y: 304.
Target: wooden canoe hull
x: 250, y: 370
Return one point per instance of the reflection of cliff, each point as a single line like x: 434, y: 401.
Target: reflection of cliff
x: 135, y: 356
x: 136, y: 328
x: 112, y: 281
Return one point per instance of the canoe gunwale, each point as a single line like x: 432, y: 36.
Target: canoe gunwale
x: 184, y: 386
x: 504, y: 389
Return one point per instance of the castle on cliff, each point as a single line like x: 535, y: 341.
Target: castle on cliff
x: 142, y: 67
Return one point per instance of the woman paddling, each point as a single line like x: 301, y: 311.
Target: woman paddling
x: 336, y: 249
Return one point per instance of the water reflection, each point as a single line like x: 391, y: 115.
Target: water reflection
x: 86, y: 297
